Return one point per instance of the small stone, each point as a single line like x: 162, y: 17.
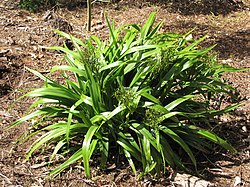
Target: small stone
x: 237, y: 181
x: 244, y: 128
x: 184, y: 180
x: 4, y: 58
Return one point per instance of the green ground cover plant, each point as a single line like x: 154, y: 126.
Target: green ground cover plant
x: 142, y: 94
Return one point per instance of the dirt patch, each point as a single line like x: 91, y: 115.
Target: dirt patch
x: 22, y: 35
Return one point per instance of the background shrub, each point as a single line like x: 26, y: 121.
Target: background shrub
x: 34, y: 5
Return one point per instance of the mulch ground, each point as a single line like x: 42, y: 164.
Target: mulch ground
x: 22, y: 35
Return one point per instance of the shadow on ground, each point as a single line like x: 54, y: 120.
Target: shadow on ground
x: 216, y: 7
x: 235, y: 44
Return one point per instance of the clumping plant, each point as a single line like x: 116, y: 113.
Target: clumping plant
x: 142, y: 94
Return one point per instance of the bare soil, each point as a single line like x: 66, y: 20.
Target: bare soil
x: 22, y: 35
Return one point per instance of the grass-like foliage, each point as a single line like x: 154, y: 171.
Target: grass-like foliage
x: 142, y: 95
